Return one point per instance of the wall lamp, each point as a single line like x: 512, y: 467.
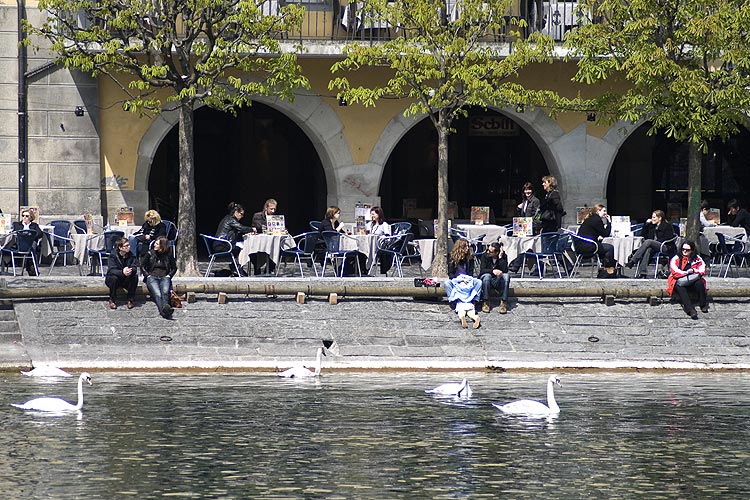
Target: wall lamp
x: 342, y: 102
x: 78, y: 111
x: 520, y: 108
x: 591, y: 117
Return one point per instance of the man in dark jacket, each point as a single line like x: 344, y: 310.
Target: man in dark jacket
x: 493, y: 271
x: 738, y: 217
x: 121, y: 272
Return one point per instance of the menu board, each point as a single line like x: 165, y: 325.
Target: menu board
x: 523, y: 226
x: 6, y: 223
x: 683, y: 226
x: 125, y: 216
x: 360, y: 226
x: 480, y: 215
x: 620, y: 226
x: 362, y: 210
x: 275, y: 224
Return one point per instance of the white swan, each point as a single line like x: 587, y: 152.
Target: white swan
x: 301, y: 371
x: 459, y: 389
x: 531, y: 407
x: 46, y: 371
x: 56, y: 404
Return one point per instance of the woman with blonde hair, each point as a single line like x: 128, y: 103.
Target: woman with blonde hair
x: 551, y: 209
x: 152, y: 228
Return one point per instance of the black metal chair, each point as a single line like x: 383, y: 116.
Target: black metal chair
x: 80, y: 226
x: 583, y: 255
x: 390, y: 247
x: 304, y: 249
x: 172, y: 234
x: 666, y: 250
x: 400, y: 228
x: 24, y: 248
x: 102, y: 254
x: 218, y: 247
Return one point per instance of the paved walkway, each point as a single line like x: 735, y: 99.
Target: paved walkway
x: 264, y: 333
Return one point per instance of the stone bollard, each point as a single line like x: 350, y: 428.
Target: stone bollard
x: 222, y: 299
x: 333, y: 299
x: 191, y: 297
x: 300, y: 297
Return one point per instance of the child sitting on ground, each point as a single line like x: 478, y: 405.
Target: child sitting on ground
x: 464, y: 291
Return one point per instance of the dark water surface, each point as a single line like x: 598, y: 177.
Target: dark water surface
x: 619, y: 435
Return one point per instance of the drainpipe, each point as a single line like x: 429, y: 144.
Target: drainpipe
x: 24, y: 77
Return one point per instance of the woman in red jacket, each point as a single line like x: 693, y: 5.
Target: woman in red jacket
x: 687, y: 271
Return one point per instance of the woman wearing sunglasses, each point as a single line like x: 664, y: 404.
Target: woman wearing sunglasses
x: 687, y: 271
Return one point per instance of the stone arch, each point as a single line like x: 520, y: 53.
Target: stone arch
x: 315, y: 117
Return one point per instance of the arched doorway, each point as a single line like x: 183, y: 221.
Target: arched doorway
x: 490, y: 158
x: 651, y: 172
x: 259, y: 154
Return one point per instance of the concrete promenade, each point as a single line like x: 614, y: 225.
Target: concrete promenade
x: 258, y: 332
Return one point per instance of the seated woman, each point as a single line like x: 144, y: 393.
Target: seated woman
x: 331, y: 220
x: 656, y: 231
x: 686, y: 274
x: 377, y: 224
x: 231, y: 229
x: 461, y: 264
x: 152, y: 228
x: 158, y: 268
x: 596, y: 227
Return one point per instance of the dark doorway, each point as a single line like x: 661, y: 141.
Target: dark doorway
x: 490, y: 158
x: 257, y: 155
x: 651, y: 172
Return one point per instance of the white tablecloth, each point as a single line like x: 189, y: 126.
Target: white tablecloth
x: 366, y: 244
x: 624, y: 247
x: 128, y: 230
x: 492, y: 232
x: 516, y: 245
x: 82, y: 242
x: 427, y: 251
x: 270, y: 244
x: 734, y: 232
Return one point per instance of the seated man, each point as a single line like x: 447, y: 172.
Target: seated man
x: 493, y: 271
x: 121, y: 272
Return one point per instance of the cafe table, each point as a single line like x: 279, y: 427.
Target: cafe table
x: 366, y: 244
x: 492, y: 232
x: 427, y: 251
x: 624, y: 246
x: 517, y: 245
x: 270, y: 244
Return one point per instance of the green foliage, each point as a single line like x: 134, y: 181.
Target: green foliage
x: 685, y: 64
x: 187, y: 46
x: 444, y: 62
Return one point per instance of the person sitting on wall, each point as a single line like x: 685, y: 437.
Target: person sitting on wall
x: 493, y: 272
x: 152, y: 228
x: 738, y: 217
x: 260, y: 226
x: 687, y: 273
x: 461, y: 262
x: 656, y: 231
x: 28, y: 223
x: 231, y: 229
x: 158, y: 268
x: 595, y: 227
x: 121, y: 272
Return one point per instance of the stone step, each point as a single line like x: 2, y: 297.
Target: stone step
x: 8, y: 326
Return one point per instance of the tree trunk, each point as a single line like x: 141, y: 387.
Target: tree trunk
x: 187, y: 258
x: 440, y: 262
x: 695, y: 158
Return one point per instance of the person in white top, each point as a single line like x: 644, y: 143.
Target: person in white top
x: 703, y: 213
x: 377, y: 224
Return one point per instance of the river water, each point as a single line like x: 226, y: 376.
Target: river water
x: 619, y: 435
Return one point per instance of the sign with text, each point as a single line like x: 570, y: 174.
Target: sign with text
x: 523, y: 226
x: 496, y: 126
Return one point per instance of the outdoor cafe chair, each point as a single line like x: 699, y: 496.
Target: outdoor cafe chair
x: 80, y: 226
x: 400, y: 228
x: 304, y: 249
x: 102, y: 254
x: 218, y: 247
x: 62, y: 232
x: 60, y: 245
x: 391, y: 247
x: 25, y: 248
x: 172, y: 234
x: 583, y: 256
x: 666, y: 251
x: 334, y: 253
x: 546, y: 256
x: 729, y: 253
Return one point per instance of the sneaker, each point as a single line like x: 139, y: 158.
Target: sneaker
x: 486, y: 306
x: 704, y: 309
x: 503, y: 307
x: 463, y: 323
x: 476, y: 323
x: 166, y: 311
x: 630, y: 264
x: 112, y: 304
x: 130, y: 304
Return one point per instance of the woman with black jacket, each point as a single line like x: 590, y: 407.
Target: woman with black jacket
x: 158, y: 268
x: 656, y: 231
x: 551, y: 208
x: 596, y: 227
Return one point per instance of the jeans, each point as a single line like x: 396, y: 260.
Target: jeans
x: 490, y: 281
x: 159, y: 288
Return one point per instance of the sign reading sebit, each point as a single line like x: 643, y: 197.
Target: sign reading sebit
x: 492, y: 126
